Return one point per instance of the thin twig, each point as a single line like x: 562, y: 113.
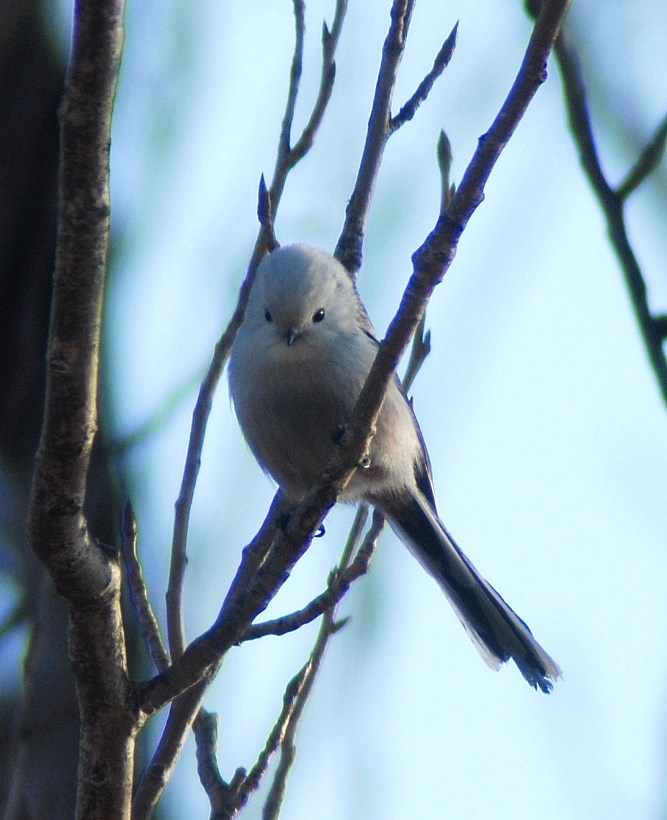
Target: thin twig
x: 612, y: 202
x: 148, y: 625
x: 646, y: 163
x: 299, y: 8
x: 184, y: 709
x: 330, y: 625
x: 157, y: 773
x: 301, y: 687
x: 246, y: 785
x: 340, y: 581
x: 289, y: 154
x: 217, y: 791
x: 349, y: 248
x: 409, y: 109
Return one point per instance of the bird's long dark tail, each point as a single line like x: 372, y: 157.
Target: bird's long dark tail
x: 495, y: 629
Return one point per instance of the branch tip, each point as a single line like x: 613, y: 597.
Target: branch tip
x: 265, y: 215
x: 445, y: 158
x: 128, y: 521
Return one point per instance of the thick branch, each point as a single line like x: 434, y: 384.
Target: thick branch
x: 57, y: 525
x: 84, y: 574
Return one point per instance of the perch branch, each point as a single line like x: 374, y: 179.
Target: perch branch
x: 340, y: 581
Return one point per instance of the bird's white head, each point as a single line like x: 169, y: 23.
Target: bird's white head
x: 302, y: 293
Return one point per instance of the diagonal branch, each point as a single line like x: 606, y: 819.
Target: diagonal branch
x: 289, y: 154
x: 409, y: 109
x: 340, y: 581
x: 646, y: 163
x: 348, y: 249
x: 148, y: 623
x: 612, y: 202
x: 184, y: 709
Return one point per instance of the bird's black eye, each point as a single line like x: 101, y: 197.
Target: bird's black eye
x: 318, y: 315
x: 267, y: 315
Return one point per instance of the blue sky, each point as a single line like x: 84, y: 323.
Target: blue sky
x: 544, y: 424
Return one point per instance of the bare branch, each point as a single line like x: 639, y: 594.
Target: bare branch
x: 349, y: 248
x: 284, y: 140
x: 612, y: 202
x: 340, y: 581
x: 217, y: 791
x: 148, y: 625
x: 288, y: 154
x: 296, y: 696
x: 184, y: 708
x: 156, y: 775
x: 646, y: 163
x: 87, y: 576
x: 440, y: 63
x: 283, y: 734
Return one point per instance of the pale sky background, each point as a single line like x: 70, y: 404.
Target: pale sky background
x: 544, y: 424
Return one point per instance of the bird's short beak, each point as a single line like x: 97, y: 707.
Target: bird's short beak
x: 291, y: 336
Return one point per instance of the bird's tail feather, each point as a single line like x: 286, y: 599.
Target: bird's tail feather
x: 495, y: 629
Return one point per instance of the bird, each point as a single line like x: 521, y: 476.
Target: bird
x: 297, y: 366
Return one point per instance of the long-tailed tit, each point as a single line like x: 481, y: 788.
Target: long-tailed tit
x: 297, y: 367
